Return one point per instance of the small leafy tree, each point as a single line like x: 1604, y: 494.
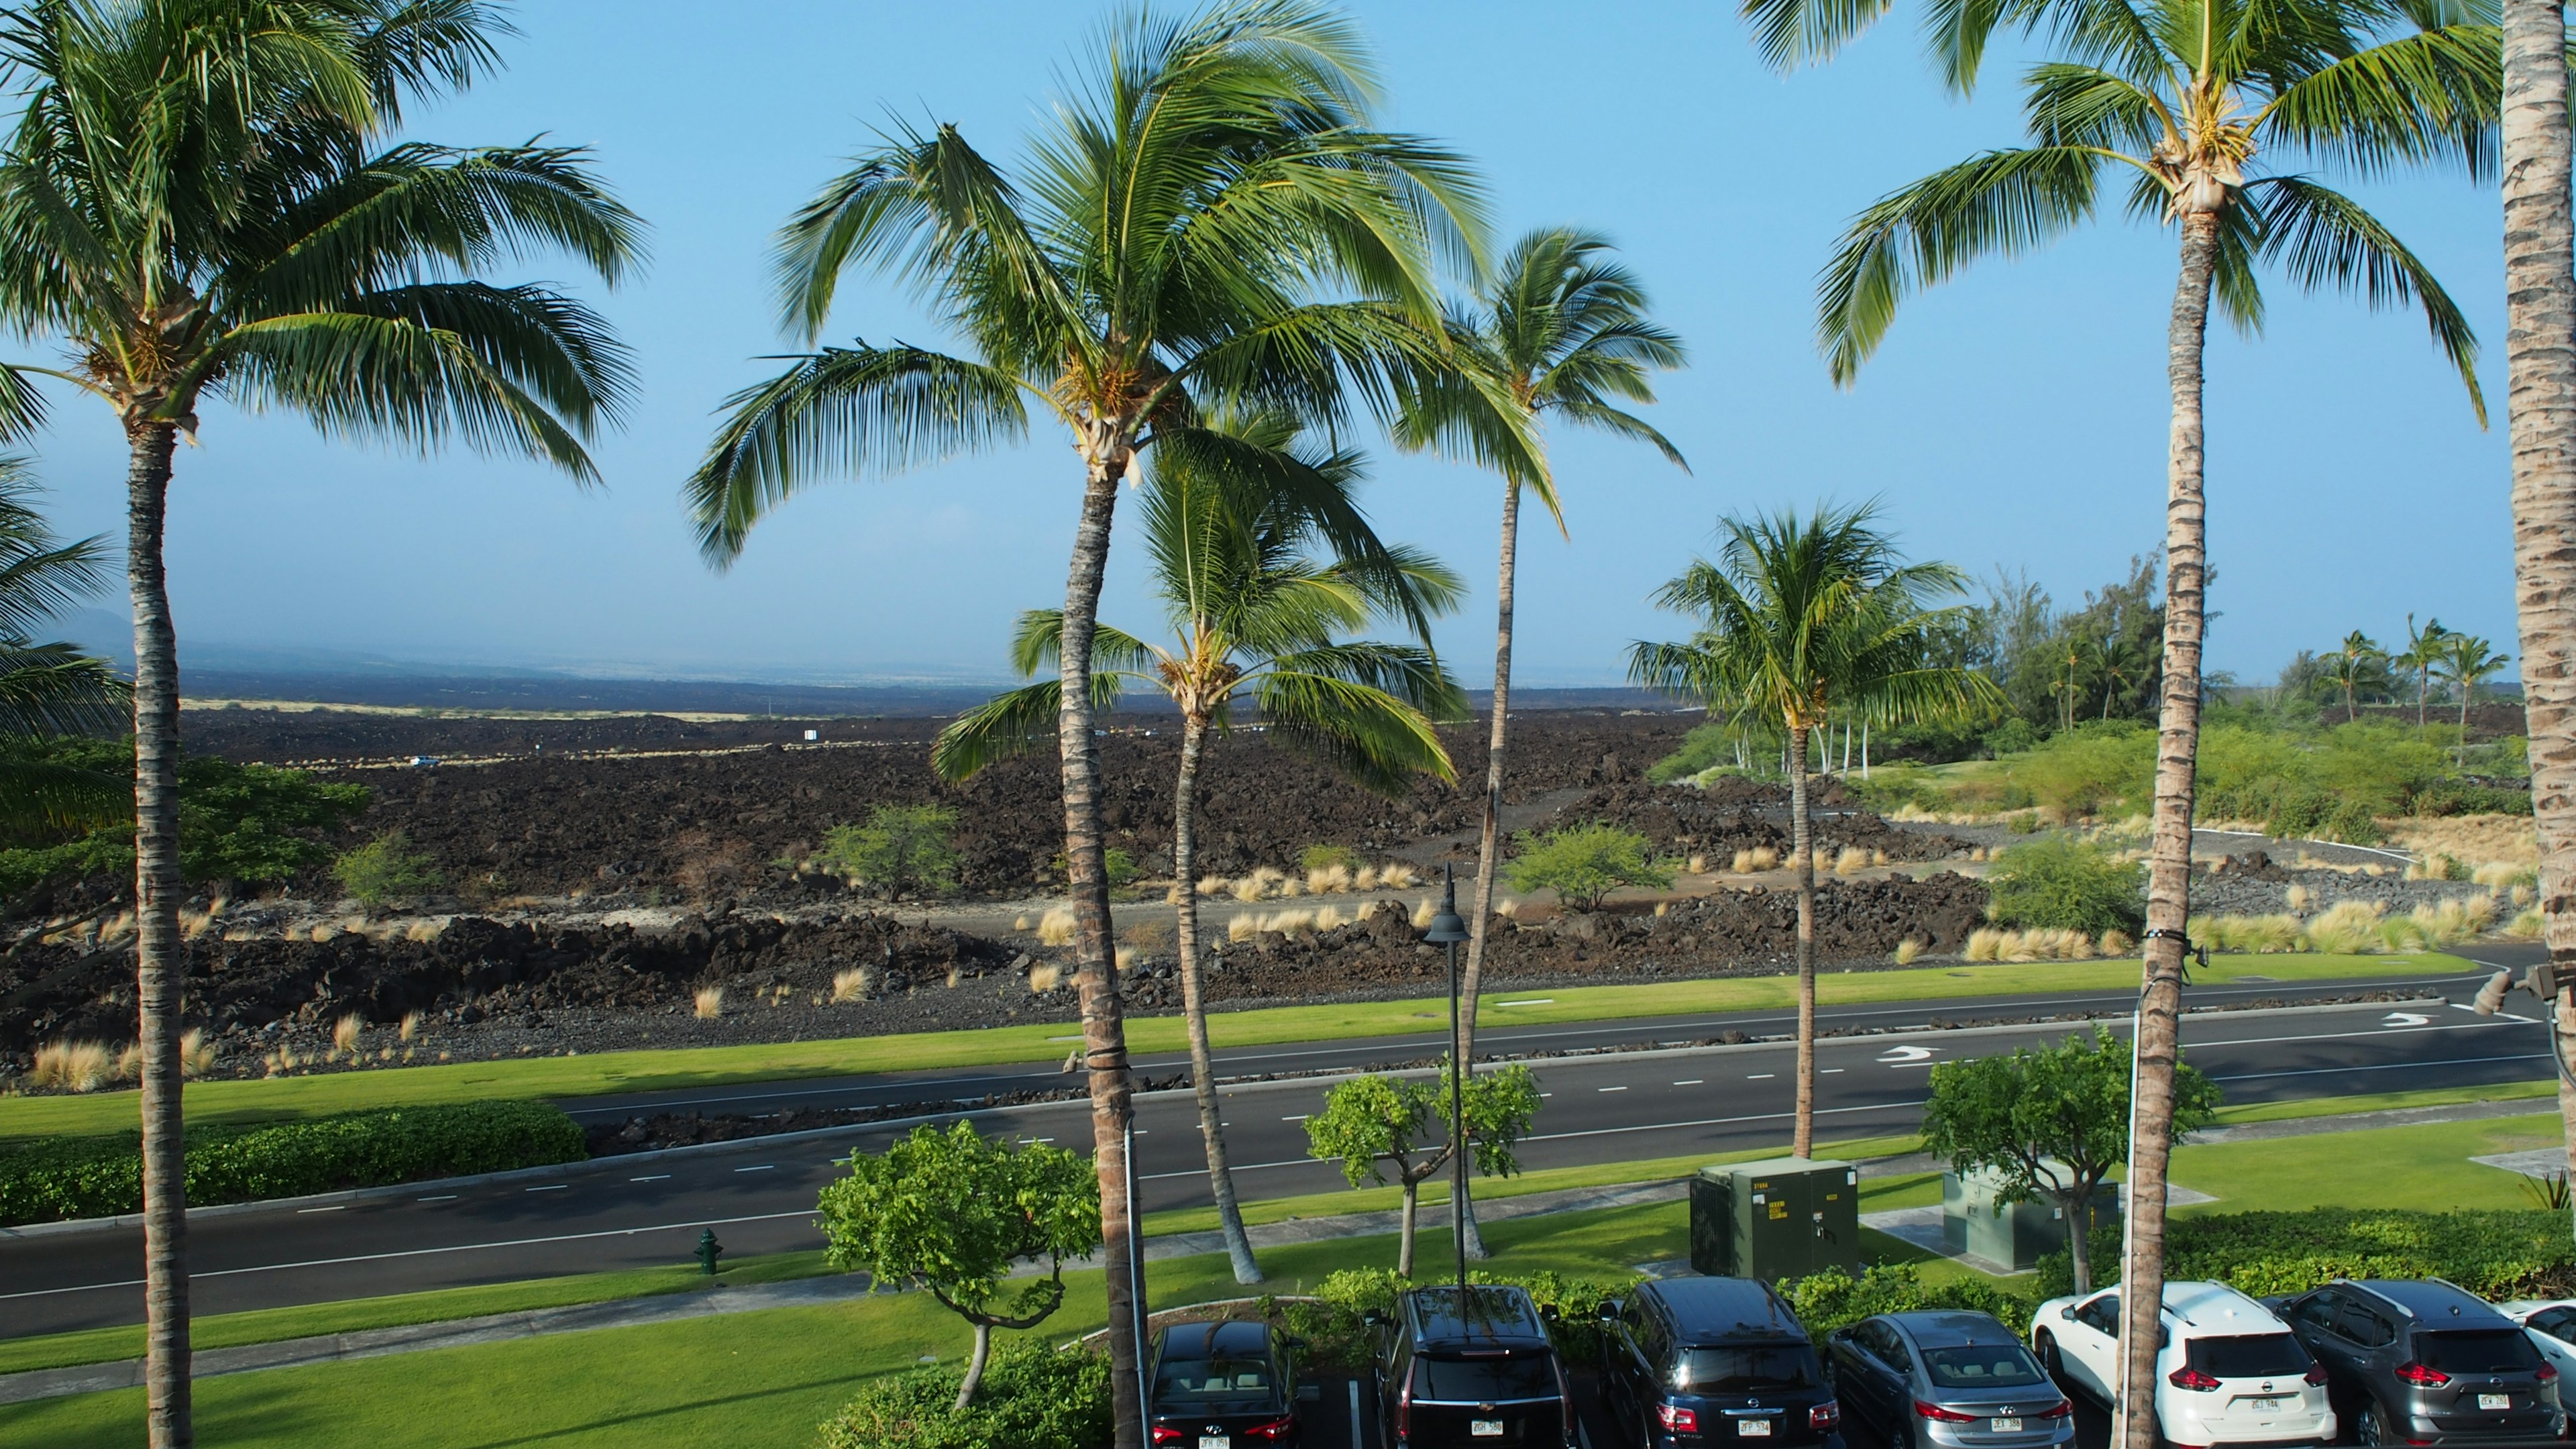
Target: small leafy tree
x: 386, y: 871
x: 902, y: 848
x: 952, y: 1211
x: 2067, y: 885
x: 1371, y: 1120
x: 1500, y: 1106
x: 1584, y: 863
x: 247, y: 824
x: 2053, y: 1121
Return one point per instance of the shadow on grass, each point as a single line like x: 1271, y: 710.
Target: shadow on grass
x: 275, y: 1412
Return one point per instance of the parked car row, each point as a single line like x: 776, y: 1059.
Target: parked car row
x: 1700, y: 1363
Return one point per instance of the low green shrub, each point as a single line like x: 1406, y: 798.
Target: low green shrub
x: 51, y: 1179
x: 2465, y: 799
x: 1031, y: 1395
x: 2494, y: 1253
x: 1325, y: 857
x: 387, y: 871
x: 1832, y: 1299
x: 1584, y: 863
x: 2065, y: 885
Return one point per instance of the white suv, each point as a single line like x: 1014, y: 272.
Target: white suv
x: 2228, y: 1371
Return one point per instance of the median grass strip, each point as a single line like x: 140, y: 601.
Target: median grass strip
x: 742, y: 1381
x: 683, y: 1068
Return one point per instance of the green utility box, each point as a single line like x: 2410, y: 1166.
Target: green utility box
x: 2014, y: 1236
x: 1781, y: 1218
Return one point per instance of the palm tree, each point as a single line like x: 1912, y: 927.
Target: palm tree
x: 1257, y: 620
x: 2186, y: 96
x: 2423, y: 650
x: 49, y: 688
x: 2353, y: 666
x: 1558, y: 332
x: 2468, y: 661
x: 1212, y: 218
x: 1799, y: 618
x: 2123, y: 663
x: 191, y: 205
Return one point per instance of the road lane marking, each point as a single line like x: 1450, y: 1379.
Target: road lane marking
x: 1906, y: 1056
x: 428, y: 1252
x: 1613, y: 1089
x: 764, y: 1167
x: 333, y: 1208
x: 2405, y: 1018
x: 651, y: 1177
x: 1535, y: 1001
x: 1300, y: 1117
x: 1693, y: 1082
x: 553, y: 1187
x: 1761, y: 1076
x: 442, y: 1197
x: 1827, y: 1071
x: 2383, y: 1067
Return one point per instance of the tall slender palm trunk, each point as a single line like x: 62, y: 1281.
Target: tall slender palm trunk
x: 1104, y: 1029
x: 1489, y: 846
x: 161, y: 968
x: 2540, y: 367
x: 2142, y: 1276
x: 1238, y: 1246
x: 1802, y: 843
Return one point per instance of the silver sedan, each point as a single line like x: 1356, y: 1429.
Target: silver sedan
x: 1947, y: 1380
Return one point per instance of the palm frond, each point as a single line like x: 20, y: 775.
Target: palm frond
x: 1037, y: 634
x: 1010, y: 725
x: 2325, y: 239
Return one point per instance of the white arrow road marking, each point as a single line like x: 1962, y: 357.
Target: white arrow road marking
x: 1905, y: 1056
x: 2404, y: 1018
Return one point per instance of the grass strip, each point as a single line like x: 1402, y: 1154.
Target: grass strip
x: 682, y: 1068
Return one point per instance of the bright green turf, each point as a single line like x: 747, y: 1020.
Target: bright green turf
x: 693, y: 1067
x: 2382, y: 1102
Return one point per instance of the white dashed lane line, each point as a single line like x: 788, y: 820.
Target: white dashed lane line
x: 1693, y: 1082
x: 1761, y: 1076
x: 652, y: 1177
x: 1613, y: 1089
x: 553, y: 1187
x: 442, y: 1197
x: 335, y: 1207
x: 764, y: 1167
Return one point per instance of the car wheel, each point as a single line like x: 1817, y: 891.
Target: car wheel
x: 2374, y: 1427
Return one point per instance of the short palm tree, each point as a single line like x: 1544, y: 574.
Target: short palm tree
x: 2423, y: 650
x: 49, y: 688
x: 1559, y: 333
x: 1799, y: 618
x: 2197, y: 103
x: 1256, y: 619
x: 2357, y: 664
x: 197, y: 204
x: 2468, y: 661
x: 1212, y: 219
x: 2123, y: 663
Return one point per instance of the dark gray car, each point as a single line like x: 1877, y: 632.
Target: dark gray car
x: 1954, y: 1380
x: 2426, y: 1363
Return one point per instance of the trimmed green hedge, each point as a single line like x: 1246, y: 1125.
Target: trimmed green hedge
x: 1030, y: 1396
x: 2496, y: 1254
x: 1832, y: 1299
x: 51, y: 1179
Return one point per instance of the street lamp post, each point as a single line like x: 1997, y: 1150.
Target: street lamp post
x: 1448, y: 930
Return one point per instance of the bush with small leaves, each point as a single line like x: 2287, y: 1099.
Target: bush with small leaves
x: 387, y: 871
x: 1584, y: 863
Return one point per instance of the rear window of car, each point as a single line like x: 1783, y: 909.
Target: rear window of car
x: 2476, y: 1351
x: 1994, y: 1366
x: 1219, y: 1378
x: 1747, y: 1369
x: 1484, y: 1380
x: 2247, y: 1356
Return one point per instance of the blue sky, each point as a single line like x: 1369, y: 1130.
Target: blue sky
x: 2015, y: 417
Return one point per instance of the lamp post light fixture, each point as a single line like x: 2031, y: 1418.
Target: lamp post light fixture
x: 1448, y: 930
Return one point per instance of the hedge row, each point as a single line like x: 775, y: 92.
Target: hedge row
x: 51, y: 1179
x: 1030, y: 1396
x: 2496, y: 1254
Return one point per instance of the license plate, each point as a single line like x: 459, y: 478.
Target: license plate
x: 2495, y: 1401
x: 1485, y: 1428
x: 2006, y: 1426
x: 1215, y: 1441
x: 2264, y: 1406
x: 1753, y: 1428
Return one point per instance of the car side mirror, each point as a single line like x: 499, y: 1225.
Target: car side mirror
x: 1375, y: 1318
x: 1295, y: 1343
x: 2067, y: 1313
x: 1548, y: 1313
x: 1608, y: 1312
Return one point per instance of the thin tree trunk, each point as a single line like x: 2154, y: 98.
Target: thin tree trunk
x: 975, y: 1361
x: 2079, y: 1224
x: 1802, y: 1142
x: 2423, y: 686
x: 1489, y: 840
x: 2169, y: 867
x: 2540, y: 388
x: 1104, y: 1029
x: 160, y: 963
x: 1864, y: 749
x: 1238, y: 1246
x: 1404, y: 1243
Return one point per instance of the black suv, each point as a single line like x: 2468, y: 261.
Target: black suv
x: 1230, y: 1385
x: 1704, y: 1361
x: 1471, y: 1368
x: 2426, y: 1363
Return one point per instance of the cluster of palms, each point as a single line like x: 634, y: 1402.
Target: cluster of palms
x: 2360, y: 667
x: 1211, y: 258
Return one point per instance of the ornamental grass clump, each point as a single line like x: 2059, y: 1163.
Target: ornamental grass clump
x: 73, y: 1066
x: 2346, y: 928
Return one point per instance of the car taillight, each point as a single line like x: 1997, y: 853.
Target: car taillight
x: 1680, y: 1421
x: 1565, y: 1400
x: 1275, y: 1429
x: 2546, y: 1374
x: 1939, y: 1415
x: 1825, y: 1415
x: 2420, y: 1376
x: 1166, y: 1434
x: 2192, y: 1378
x: 2064, y: 1407
x: 2316, y: 1374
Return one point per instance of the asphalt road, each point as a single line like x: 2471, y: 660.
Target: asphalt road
x: 758, y: 1195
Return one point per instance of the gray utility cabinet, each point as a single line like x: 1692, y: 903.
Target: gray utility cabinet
x: 1784, y: 1217
x: 2014, y: 1236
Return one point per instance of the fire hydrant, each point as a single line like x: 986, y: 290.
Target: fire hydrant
x: 708, y: 1250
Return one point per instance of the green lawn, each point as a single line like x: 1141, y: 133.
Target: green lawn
x: 693, y: 1067
x: 744, y: 1381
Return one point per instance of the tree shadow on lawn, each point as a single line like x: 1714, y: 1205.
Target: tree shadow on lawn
x: 289, y: 1416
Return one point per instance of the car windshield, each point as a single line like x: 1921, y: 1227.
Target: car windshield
x: 1748, y: 1369
x: 1484, y: 1380
x: 2477, y: 1351
x: 1196, y: 1380
x: 2248, y: 1356
x: 1992, y: 1366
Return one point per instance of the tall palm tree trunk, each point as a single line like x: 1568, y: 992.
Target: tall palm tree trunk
x: 1802, y: 842
x: 2540, y: 368
x: 161, y: 969
x: 1238, y: 1247
x: 1489, y: 843
x: 2169, y: 868
x: 1104, y: 1030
